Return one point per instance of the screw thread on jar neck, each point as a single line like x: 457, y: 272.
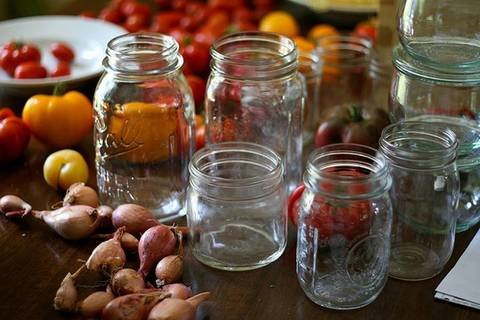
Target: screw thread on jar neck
x: 142, y: 55
x: 254, y: 56
x: 419, y: 145
x: 344, y: 51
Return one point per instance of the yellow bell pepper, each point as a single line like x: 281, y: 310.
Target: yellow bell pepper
x: 59, y: 121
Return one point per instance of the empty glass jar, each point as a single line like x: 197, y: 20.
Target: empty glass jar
x: 424, y: 196
x: 450, y: 99
x: 254, y: 93
x: 343, y: 239
x: 143, y: 125
x: 237, y: 206
x: 443, y: 33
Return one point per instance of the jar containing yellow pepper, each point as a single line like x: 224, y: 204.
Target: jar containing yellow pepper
x: 144, y: 121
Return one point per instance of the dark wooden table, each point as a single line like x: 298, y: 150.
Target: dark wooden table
x: 34, y: 260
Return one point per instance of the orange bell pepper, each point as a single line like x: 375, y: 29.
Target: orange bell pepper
x: 59, y: 121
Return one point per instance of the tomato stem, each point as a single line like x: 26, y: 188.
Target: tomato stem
x: 59, y: 89
x: 355, y: 112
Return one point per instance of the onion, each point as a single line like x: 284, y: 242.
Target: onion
x: 105, y: 212
x: 12, y: 205
x: 177, y: 309
x: 170, y: 268
x: 135, y: 306
x: 136, y: 219
x: 156, y: 243
x: 127, y: 281
x: 108, y: 256
x: 79, y: 193
x: 178, y: 290
x: 128, y: 241
x: 92, y: 306
x: 66, y: 295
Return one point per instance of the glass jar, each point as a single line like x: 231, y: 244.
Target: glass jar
x: 443, y: 33
x: 378, y: 84
x: 343, y: 237
x: 453, y: 98
x: 345, y: 70
x: 254, y: 93
x: 144, y: 120
x: 424, y: 196
x: 237, y: 206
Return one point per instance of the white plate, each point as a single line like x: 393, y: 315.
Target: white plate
x: 87, y: 37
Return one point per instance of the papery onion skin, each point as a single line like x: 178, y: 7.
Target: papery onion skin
x: 156, y: 243
x: 108, y: 256
x: 79, y: 193
x: 14, y: 204
x: 177, y: 309
x: 136, y: 219
x: 135, y: 306
x: 92, y: 306
x: 169, y: 269
x: 126, y: 281
x: 178, y: 290
x: 67, y: 295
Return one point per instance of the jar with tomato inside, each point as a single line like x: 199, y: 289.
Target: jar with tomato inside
x: 255, y: 93
x: 449, y: 99
x: 144, y: 121
x: 343, y: 215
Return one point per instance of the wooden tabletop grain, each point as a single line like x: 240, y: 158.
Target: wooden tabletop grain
x: 34, y: 260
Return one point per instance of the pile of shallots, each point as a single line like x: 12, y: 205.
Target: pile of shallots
x: 128, y: 295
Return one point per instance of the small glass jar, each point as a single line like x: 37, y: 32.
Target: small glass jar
x: 237, y: 206
x: 453, y: 98
x: 424, y: 196
x: 144, y: 120
x: 443, y: 33
x: 345, y: 70
x: 344, y: 223
x: 255, y: 94
x: 378, y: 84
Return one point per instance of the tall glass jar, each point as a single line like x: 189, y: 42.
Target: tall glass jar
x: 377, y: 87
x: 453, y: 98
x: 144, y: 119
x: 343, y: 239
x: 424, y: 196
x: 443, y: 33
x: 237, y: 206
x: 254, y: 93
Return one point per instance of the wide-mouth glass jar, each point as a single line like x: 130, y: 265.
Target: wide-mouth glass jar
x: 343, y: 238
x: 255, y: 94
x: 144, y: 121
x: 237, y: 206
x: 424, y: 194
x: 450, y: 99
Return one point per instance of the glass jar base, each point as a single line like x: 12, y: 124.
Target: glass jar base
x: 413, y: 262
x: 466, y: 224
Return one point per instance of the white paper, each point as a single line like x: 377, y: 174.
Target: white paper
x: 462, y: 283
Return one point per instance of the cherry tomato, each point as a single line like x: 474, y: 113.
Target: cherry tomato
x: 179, y: 4
x: 218, y: 20
x: 226, y: 4
x: 163, y: 22
x: 244, y: 14
x: 7, y: 61
x: 200, y: 137
x: 135, y: 23
x: 182, y: 36
x: 130, y: 8
x: 64, y: 168
x: 62, y: 51
x: 87, y: 14
x: 111, y: 14
x: 197, y: 85
x: 27, y: 52
x: 14, y: 136
x: 197, y: 57
x: 206, y: 36
x: 367, y: 30
x: 293, y: 203
x: 12, y: 54
x: 30, y: 70
x: 62, y: 69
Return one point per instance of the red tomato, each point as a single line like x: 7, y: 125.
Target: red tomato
x: 197, y: 57
x: 243, y: 26
x: 14, y: 137
x: 62, y: 69
x: 87, y: 14
x: 222, y: 131
x: 197, y: 85
x: 6, y: 113
x: 293, y: 203
x: 27, y: 52
x: 182, y: 36
x: 200, y: 137
x: 218, y: 20
x: 135, y: 23
x: 111, y: 14
x: 226, y: 4
x: 7, y: 60
x: 163, y: 22
x: 206, y: 36
x: 62, y: 51
x: 30, y: 70
x: 130, y: 8
x: 366, y: 30
x: 12, y: 54
x: 179, y: 4
x: 244, y: 14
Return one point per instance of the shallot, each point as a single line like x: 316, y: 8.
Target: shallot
x: 128, y: 241
x: 177, y: 309
x: 170, y: 268
x: 156, y: 243
x: 108, y: 256
x: 136, y: 219
x: 66, y: 295
x: 126, y: 281
x: 178, y: 290
x: 92, y: 306
x: 105, y: 212
x: 12, y: 205
x: 135, y: 306
x: 79, y: 193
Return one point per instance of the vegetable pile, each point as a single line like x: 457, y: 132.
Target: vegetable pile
x: 128, y: 294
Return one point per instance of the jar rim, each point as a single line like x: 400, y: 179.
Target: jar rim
x: 416, y: 68
x: 344, y: 50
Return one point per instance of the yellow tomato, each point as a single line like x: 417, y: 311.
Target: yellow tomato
x: 59, y: 121
x: 65, y: 167
x: 303, y: 44
x: 280, y: 22
x: 321, y: 31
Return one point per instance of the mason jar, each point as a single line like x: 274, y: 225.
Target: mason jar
x: 144, y: 121
x: 344, y: 223
x: 255, y: 94
x: 453, y: 98
x: 442, y: 33
x: 378, y: 84
x: 424, y: 194
x: 237, y: 206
